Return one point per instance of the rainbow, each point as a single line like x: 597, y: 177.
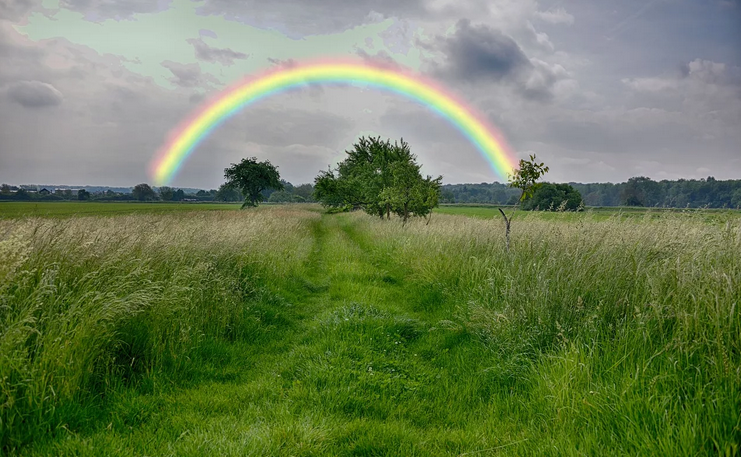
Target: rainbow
x: 183, y: 140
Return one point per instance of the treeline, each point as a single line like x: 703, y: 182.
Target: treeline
x: 144, y: 192
x: 637, y: 191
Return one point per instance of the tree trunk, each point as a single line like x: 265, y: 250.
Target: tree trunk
x: 506, y: 224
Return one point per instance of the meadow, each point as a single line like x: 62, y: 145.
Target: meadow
x: 10, y: 210
x: 287, y: 331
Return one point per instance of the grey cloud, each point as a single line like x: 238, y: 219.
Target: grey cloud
x: 287, y: 63
x: 312, y: 16
x: 207, y: 32
x: 16, y: 9
x: 34, y: 94
x: 711, y: 72
x: 196, y: 98
x: 475, y: 53
x: 224, y: 56
x: 380, y: 59
x: 479, y: 54
x: 557, y: 16
x: 189, y: 74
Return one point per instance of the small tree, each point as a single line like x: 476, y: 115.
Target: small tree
x: 251, y: 178
x: 523, y: 178
x: 83, y: 194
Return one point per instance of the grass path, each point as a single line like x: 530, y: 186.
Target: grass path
x: 352, y: 358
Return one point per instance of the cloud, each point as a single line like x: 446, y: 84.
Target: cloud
x: 557, y: 16
x: 15, y: 9
x: 475, y: 53
x: 480, y: 54
x: 380, y: 59
x: 312, y: 17
x: 224, y: 56
x: 34, y: 94
x: 189, y: 75
x: 710, y: 72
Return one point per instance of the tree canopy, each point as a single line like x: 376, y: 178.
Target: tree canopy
x: 143, y: 192
x: 251, y: 178
x: 552, y: 197
x: 380, y: 178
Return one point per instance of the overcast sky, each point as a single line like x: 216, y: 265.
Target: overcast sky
x: 601, y: 90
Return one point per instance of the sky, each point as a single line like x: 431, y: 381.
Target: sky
x: 599, y: 90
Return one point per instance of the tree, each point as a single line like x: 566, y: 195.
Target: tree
x: 178, y: 195
x: 143, y: 192
x: 554, y: 197
x: 281, y: 196
x: 304, y: 191
x: 523, y: 178
x: 166, y: 193
x: 380, y: 178
x: 82, y: 194
x: 228, y: 194
x: 22, y: 194
x: 736, y: 199
x: 5, y: 189
x: 252, y: 177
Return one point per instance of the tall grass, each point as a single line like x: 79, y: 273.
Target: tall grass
x: 591, y: 337
x: 630, y: 328
x: 90, y: 304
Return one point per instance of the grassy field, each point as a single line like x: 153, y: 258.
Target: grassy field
x: 285, y: 331
x: 597, y: 213
x: 11, y: 210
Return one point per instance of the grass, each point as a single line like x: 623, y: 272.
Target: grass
x: 597, y: 213
x: 12, y: 210
x: 284, y: 331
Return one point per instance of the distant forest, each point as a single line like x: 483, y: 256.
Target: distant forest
x: 638, y: 191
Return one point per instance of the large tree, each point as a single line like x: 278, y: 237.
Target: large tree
x: 380, y: 178
x: 251, y: 178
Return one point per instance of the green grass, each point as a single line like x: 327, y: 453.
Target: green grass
x: 283, y: 331
x: 597, y: 213
x: 64, y: 209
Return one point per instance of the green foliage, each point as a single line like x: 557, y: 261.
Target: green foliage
x: 228, y: 194
x: 143, y: 192
x: 381, y: 178
x: 554, y: 197
x: 526, y: 175
x: 82, y: 194
x: 682, y: 193
x: 284, y: 196
x: 305, y: 191
x: 166, y: 193
x: 252, y: 178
